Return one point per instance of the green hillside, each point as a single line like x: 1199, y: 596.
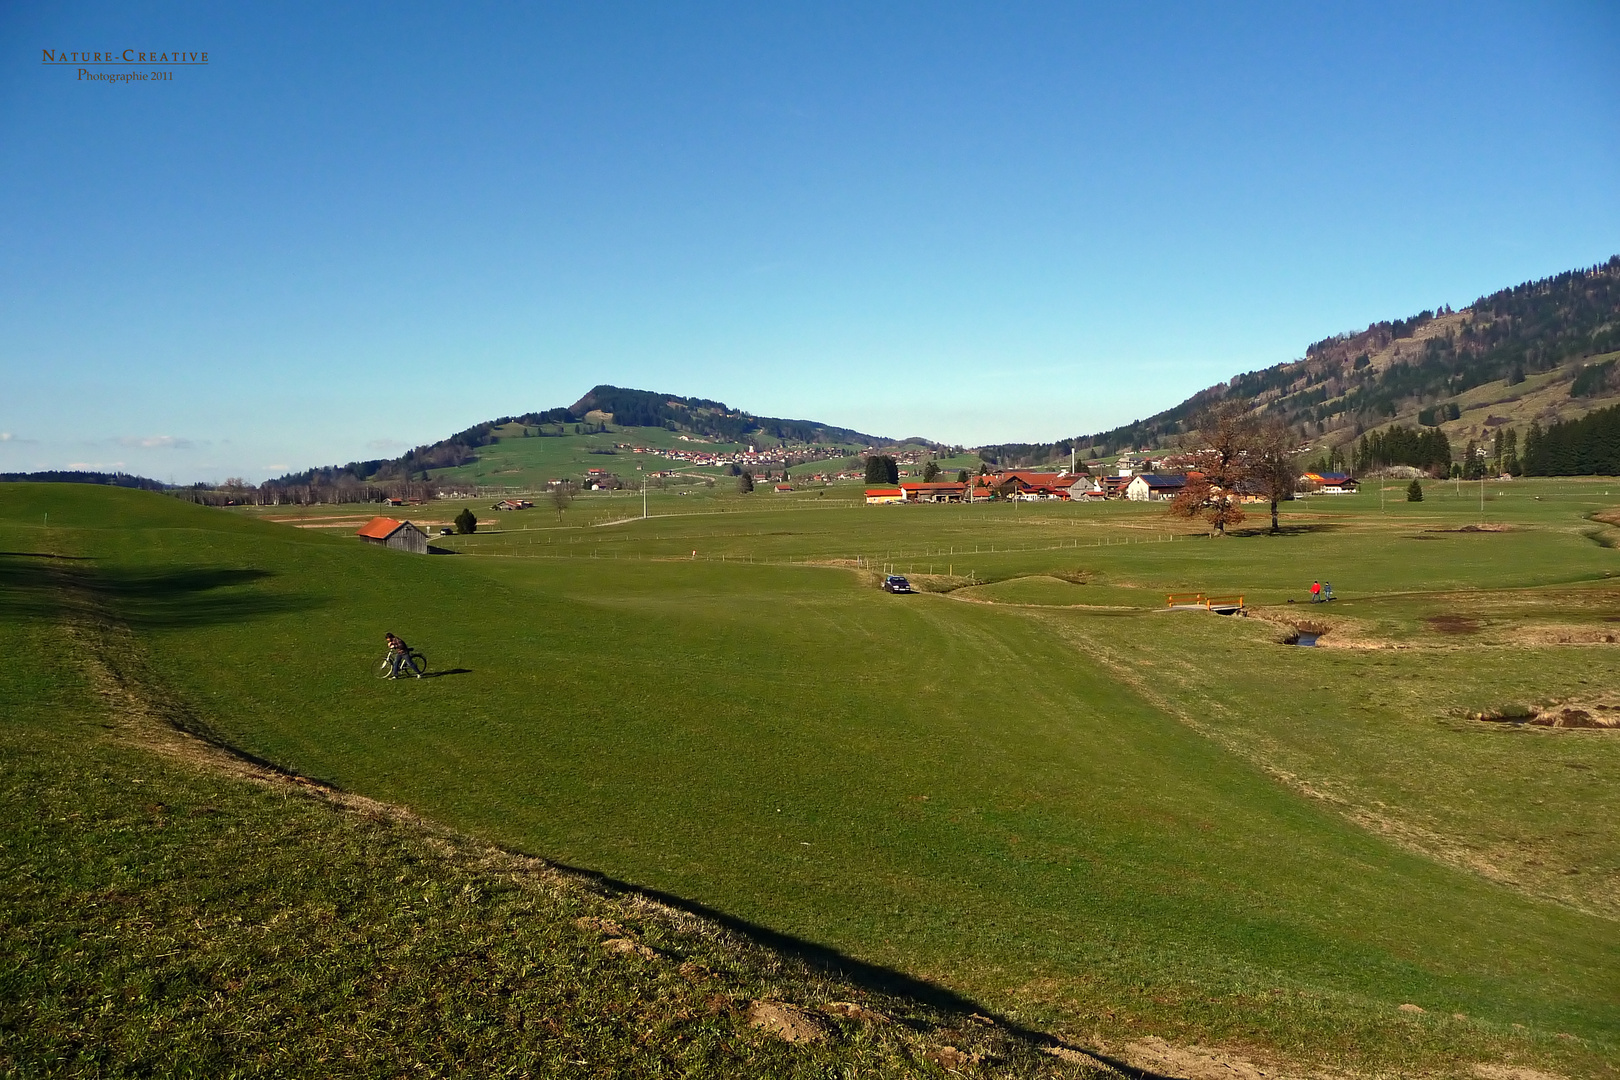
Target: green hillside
x: 1540, y: 351
x: 635, y: 417
x: 1078, y: 812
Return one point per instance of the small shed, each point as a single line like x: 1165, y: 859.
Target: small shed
x: 399, y: 535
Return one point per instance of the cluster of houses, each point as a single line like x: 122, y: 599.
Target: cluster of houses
x: 1021, y: 485
x: 754, y: 459
x: 1012, y: 484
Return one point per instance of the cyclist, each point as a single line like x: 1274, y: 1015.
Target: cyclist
x: 398, y: 653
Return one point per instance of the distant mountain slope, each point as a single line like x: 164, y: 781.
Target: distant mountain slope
x: 1537, y: 351
x: 601, y: 404
x: 643, y: 408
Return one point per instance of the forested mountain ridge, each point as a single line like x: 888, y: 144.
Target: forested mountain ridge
x: 1544, y: 350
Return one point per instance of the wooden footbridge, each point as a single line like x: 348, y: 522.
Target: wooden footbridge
x: 1220, y: 605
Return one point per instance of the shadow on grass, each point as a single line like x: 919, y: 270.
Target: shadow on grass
x: 1289, y: 530
x: 872, y: 977
x: 144, y: 599
x: 451, y: 671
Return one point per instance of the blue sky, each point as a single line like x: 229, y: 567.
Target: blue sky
x: 362, y: 227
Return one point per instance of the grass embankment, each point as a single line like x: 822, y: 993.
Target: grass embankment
x: 173, y: 910
x: 1077, y: 817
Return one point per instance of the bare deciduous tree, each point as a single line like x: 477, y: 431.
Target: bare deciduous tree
x: 1217, y: 471
x: 561, y: 495
x: 1273, y: 470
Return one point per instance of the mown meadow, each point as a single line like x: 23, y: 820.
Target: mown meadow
x: 1028, y: 784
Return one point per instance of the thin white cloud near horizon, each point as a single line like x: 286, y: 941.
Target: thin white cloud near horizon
x: 157, y: 442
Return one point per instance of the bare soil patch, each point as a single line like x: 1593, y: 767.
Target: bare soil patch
x: 1452, y: 624
x: 1593, y: 714
x: 1512, y: 1072
x: 1578, y: 718
x: 1565, y: 634
x: 1154, y: 1055
x: 787, y: 1022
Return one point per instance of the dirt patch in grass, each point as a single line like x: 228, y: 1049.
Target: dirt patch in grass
x: 1484, y: 527
x: 1155, y: 1056
x: 1601, y: 715
x: 1564, y: 634
x: 1452, y: 624
x: 1571, y: 717
x: 787, y: 1022
x: 1512, y: 1072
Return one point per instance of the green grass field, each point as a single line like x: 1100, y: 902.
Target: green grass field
x: 1029, y: 784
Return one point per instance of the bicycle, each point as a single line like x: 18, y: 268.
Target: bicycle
x: 413, y: 664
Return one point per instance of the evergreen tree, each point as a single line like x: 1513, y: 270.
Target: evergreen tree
x: 882, y: 469
x: 1585, y: 447
x: 466, y: 522
x: 745, y: 482
x: 1414, y: 492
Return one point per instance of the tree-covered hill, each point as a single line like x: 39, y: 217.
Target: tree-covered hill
x: 601, y: 404
x: 644, y: 408
x: 1542, y: 351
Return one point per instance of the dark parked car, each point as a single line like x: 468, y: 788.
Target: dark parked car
x: 896, y: 583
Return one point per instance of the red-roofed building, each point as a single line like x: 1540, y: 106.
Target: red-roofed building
x: 932, y: 491
x: 884, y: 496
x: 399, y: 535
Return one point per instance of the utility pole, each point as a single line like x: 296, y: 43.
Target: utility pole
x: 644, y: 498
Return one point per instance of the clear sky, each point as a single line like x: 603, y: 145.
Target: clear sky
x: 363, y: 227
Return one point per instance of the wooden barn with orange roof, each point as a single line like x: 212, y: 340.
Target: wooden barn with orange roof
x: 399, y: 535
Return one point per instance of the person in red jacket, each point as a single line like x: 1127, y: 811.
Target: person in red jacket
x: 1316, y: 592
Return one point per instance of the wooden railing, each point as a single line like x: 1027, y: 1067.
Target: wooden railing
x: 1208, y: 603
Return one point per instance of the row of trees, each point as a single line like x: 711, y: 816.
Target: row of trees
x: 1588, y: 446
x: 1428, y: 450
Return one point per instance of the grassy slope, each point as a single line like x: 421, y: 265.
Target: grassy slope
x: 948, y: 788
x: 163, y: 919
